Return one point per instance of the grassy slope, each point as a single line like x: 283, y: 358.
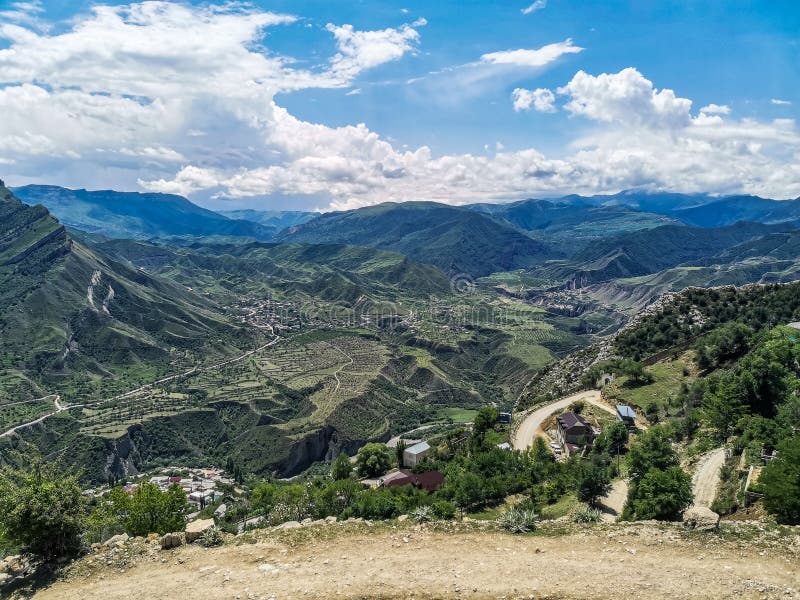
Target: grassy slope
x: 453, y: 239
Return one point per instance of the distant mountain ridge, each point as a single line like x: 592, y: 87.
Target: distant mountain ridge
x: 135, y: 215
x: 457, y: 240
x: 279, y: 219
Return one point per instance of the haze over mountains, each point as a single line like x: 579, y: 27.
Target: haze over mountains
x: 591, y: 239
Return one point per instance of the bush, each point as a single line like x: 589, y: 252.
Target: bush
x: 147, y: 510
x: 587, y: 514
x: 518, y: 520
x: 444, y: 509
x: 211, y: 537
x: 422, y: 514
x: 41, y: 510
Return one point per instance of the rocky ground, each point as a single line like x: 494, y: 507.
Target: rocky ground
x: 447, y: 560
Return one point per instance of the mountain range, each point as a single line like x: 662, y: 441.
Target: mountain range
x: 139, y: 216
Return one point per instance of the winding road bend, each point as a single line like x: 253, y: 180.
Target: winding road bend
x: 531, y: 425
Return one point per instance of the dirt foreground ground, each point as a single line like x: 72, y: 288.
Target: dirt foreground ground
x: 447, y: 561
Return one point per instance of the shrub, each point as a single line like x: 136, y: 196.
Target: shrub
x: 444, y: 509
x: 780, y: 482
x: 148, y: 510
x: 422, y: 514
x: 211, y: 537
x: 586, y: 514
x: 662, y: 495
x: 518, y: 520
x: 373, y: 460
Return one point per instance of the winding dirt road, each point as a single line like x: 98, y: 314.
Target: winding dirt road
x: 531, y: 426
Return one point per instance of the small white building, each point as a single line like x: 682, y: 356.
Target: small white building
x: 414, y: 455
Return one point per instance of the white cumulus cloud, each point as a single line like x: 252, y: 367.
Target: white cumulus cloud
x: 541, y: 99
x: 182, y: 99
x: 625, y: 97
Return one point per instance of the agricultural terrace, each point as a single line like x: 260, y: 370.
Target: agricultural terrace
x: 327, y: 366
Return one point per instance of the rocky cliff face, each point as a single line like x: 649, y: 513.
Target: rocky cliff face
x: 143, y: 445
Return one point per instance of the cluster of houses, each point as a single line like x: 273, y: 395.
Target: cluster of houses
x: 574, y: 434
x: 201, y: 485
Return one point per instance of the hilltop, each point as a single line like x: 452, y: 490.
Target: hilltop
x: 136, y: 215
x: 456, y: 240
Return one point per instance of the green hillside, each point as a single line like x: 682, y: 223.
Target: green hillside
x: 134, y: 215
x: 571, y: 226
x: 74, y: 320
x: 279, y: 219
x: 456, y: 240
x: 332, y: 272
x: 649, y: 251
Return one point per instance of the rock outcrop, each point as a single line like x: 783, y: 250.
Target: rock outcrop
x: 701, y: 518
x: 196, y: 529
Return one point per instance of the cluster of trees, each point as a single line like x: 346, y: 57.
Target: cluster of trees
x: 632, y: 369
x: 698, y: 311
x: 755, y: 398
x: 659, y: 488
x: 43, y: 511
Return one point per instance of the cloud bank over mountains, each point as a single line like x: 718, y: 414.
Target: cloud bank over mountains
x: 183, y: 100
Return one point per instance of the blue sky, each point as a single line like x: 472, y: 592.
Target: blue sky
x: 262, y: 105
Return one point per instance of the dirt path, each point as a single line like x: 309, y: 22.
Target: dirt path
x: 530, y: 427
x: 705, y: 480
x: 607, y: 562
x: 58, y: 406
x: 613, y: 503
x: 340, y: 369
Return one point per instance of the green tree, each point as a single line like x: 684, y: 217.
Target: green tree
x: 42, y: 510
x: 373, y: 460
x: 593, y: 482
x: 341, y: 468
x: 149, y: 510
x: 653, y: 450
x: 482, y: 423
x: 723, y: 406
x: 467, y: 491
x: 780, y: 482
x: 263, y: 498
x: 612, y: 440
x: 399, y: 450
x: 662, y: 495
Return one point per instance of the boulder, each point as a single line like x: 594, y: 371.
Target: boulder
x: 196, y: 529
x: 701, y: 518
x: 114, y: 540
x: 331, y: 519
x: 11, y: 564
x: 172, y: 540
x: 289, y: 525
x: 402, y: 518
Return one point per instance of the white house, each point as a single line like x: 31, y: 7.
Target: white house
x: 413, y: 456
